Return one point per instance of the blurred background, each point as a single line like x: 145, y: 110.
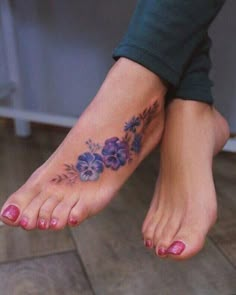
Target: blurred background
x: 64, y: 50
x: 58, y: 54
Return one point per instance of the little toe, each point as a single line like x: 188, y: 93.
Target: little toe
x: 61, y: 213
x: 15, y: 205
x: 78, y: 213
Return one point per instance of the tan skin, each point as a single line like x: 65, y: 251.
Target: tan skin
x: 184, y: 204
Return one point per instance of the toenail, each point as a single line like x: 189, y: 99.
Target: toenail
x: 11, y: 213
x: 148, y: 243
x: 42, y: 223
x: 162, y: 251
x: 24, y: 222
x: 53, y: 223
x: 73, y: 221
x: 176, y: 248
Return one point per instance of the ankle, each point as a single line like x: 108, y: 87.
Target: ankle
x: 190, y: 108
x: 204, y: 117
x: 134, y: 82
x: 222, y: 131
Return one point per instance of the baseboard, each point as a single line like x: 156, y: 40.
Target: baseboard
x: 230, y: 145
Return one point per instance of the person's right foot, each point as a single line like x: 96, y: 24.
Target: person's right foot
x: 184, y: 204
x: 119, y: 128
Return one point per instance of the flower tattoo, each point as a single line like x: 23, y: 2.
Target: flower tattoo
x: 132, y: 124
x: 113, y: 154
x: 90, y: 166
x: 137, y: 143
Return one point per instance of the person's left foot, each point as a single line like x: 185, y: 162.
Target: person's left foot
x: 184, y: 204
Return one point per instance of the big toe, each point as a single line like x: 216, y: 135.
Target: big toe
x: 12, y: 210
x: 186, y: 244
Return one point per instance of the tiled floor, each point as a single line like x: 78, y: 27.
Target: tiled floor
x: 105, y: 255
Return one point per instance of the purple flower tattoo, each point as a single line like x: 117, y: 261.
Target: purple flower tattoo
x: 113, y: 154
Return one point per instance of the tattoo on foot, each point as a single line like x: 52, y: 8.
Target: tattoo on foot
x: 113, y: 154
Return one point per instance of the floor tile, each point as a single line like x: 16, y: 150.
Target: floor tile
x: 52, y: 275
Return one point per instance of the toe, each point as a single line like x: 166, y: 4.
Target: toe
x: 186, y: 243
x: 167, y: 235
x: 61, y: 212
x: 29, y: 216
x: 79, y: 213
x: 152, y: 210
x: 46, y: 210
x: 159, y: 231
x: 148, y: 234
x: 12, y: 210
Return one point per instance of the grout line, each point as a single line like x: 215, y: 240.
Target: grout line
x: 82, y: 264
x: 85, y: 273
x: 22, y: 259
x: 222, y: 253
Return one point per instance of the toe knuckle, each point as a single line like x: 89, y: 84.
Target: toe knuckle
x: 51, y: 192
x: 13, y: 198
x: 44, y: 212
x: 148, y: 234
x: 48, y: 191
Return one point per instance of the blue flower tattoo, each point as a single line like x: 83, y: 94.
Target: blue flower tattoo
x: 90, y: 166
x: 113, y: 154
x: 132, y: 124
x: 137, y: 143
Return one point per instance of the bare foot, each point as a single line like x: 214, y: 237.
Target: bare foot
x: 120, y: 127
x: 184, y: 205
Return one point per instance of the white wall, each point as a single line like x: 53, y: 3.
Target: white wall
x: 65, y: 51
x: 223, y: 32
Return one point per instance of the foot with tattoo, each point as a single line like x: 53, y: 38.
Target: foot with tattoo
x: 184, y: 205
x: 119, y: 128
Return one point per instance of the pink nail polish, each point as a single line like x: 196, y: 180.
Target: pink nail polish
x: 148, y: 243
x: 73, y: 221
x: 162, y: 251
x: 24, y: 222
x: 11, y: 213
x: 53, y: 223
x: 42, y: 223
x: 176, y: 248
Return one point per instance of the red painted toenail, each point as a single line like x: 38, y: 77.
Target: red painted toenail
x: 11, y: 213
x: 73, y: 221
x: 176, y: 248
x: 24, y: 222
x: 53, y: 223
x: 42, y: 223
x: 162, y: 251
x: 148, y: 243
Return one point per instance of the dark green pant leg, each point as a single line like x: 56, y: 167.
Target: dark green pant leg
x: 195, y: 83
x: 163, y: 34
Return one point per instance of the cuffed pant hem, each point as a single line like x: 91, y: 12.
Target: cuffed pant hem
x: 149, y: 61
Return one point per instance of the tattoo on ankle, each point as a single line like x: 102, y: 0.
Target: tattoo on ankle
x: 113, y: 154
